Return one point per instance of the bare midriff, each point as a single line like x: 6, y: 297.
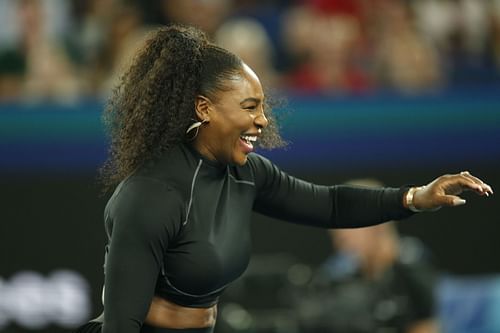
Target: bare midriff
x: 166, y: 314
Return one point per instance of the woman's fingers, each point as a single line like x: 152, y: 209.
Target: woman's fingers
x: 444, y: 191
x: 481, y: 187
x: 453, y: 185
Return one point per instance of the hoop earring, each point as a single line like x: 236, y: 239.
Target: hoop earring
x: 195, y: 127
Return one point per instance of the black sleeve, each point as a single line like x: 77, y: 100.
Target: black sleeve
x: 145, y: 216
x: 282, y: 196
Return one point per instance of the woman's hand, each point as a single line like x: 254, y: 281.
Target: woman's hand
x: 444, y: 191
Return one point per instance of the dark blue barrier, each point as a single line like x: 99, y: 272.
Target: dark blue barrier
x: 445, y: 129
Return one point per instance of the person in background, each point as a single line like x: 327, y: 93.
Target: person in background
x: 404, y: 61
x: 50, y: 73
x: 326, y: 40
x: 234, y: 35
x: 375, y: 281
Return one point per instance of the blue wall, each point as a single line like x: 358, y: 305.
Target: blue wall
x: 450, y: 128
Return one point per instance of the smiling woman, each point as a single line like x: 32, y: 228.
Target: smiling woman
x: 152, y: 107
x: 234, y: 121
x: 183, y: 125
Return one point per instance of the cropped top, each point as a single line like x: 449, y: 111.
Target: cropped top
x: 179, y: 227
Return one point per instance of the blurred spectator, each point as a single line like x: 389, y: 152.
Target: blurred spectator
x: 123, y: 37
x: 326, y: 40
x: 91, y: 38
x: 49, y: 71
x: 39, y: 66
x: 207, y: 15
x: 405, y: 61
x: 269, y: 13
x: 63, y: 50
x: 374, y: 282
x: 495, y: 35
x: 12, y: 69
x: 463, y: 33
x: 110, y: 31
x: 435, y: 20
x: 12, y: 64
x: 249, y: 40
x: 470, y: 56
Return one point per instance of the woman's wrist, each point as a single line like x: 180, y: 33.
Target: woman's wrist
x: 408, y: 200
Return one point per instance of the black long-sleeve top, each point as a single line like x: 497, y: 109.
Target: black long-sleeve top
x: 179, y: 227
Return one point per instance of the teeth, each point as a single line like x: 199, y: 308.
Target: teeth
x: 249, y: 138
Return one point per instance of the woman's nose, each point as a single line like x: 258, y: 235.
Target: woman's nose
x: 261, y: 120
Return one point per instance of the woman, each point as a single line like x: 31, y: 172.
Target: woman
x: 184, y: 122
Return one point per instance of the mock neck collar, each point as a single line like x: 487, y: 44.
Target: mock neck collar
x: 206, y: 161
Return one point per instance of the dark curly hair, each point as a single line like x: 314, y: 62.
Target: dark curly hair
x: 153, y: 105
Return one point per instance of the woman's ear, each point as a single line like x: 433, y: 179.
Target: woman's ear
x: 202, y: 108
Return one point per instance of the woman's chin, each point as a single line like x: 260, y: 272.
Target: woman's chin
x: 240, y: 159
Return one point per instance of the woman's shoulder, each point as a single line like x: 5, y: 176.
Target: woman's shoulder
x: 146, y: 187
x: 148, y: 200
x: 146, y: 205
x: 139, y: 192
x: 172, y: 170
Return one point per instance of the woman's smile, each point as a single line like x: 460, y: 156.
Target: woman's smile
x: 238, y: 113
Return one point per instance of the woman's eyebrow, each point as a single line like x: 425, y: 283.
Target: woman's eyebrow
x: 250, y: 99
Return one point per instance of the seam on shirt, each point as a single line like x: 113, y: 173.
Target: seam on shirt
x: 188, y: 294
x: 192, y: 191
x: 241, y: 181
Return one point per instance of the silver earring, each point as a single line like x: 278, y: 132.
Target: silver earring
x: 196, y: 127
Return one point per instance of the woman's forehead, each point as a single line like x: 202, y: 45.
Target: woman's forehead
x: 248, y: 71
x: 245, y: 84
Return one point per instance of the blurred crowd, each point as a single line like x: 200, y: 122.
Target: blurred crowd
x: 65, y: 50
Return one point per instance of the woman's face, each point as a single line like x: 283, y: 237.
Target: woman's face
x: 236, y: 120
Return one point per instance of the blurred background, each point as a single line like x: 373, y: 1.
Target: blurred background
x: 397, y: 90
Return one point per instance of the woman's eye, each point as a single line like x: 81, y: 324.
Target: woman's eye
x: 253, y: 107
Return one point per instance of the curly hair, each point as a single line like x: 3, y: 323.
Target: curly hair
x: 153, y: 104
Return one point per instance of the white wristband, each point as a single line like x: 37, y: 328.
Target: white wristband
x: 409, y: 199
